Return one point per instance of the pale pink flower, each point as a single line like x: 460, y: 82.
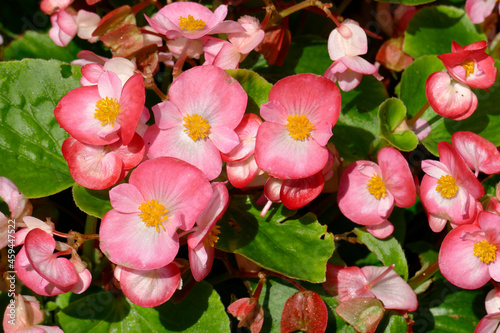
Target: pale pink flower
x: 349, y: 71
x: 122, y: 67
x: 87, y: 23
x: 192, y: 21
x: 221, y: 53
x: 197, y: 123
x: 347, y: 40
x: 368, y: 191
x: 64, y: 27
x: 23, y: 314
x: 468, y: 256
x: 478, y: 10
x: 103, y: 113
x: 148, y: 211
x: 299, y: 118
x: 479, y: 153
x: 449, y: 189
x: 201, y: 243
x: 149, y: 288
x: 248, y: 40
x: 383, y: 283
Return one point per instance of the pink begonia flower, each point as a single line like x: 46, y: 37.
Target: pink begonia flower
x: 470, y: 64
x: 221, y: 53
x: 490, y: 322
x: 149, y: 288
x: 368, y: 192
x: 23, y: 314
x: 148, y: 211
x: 249, y: 312
x: 479, y: 153
x: 197, y: 123
x: 349, y: 71
x: 192, y: 21
x: 468, y: 256
x: 478, y: 10
x: 202, y: 241
x: 64, y: 27
x: 43, y: 272
x: 33, y: 223
x: 449, y: 98
x: 122, y: 67
x: 449, y: 189
x: 19, y: 207
x: 104, y: 113
x: 51, y: 6
x: 194, y: 49
x: 299, y: 118
x: 100, y: 167
x: 248, y: 40
x: 347, y: 40
x: 87, y: 23
x: 383, y: 283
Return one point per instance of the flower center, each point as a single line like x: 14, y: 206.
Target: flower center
x: 299, y: 127
x: 485, y: 251
x: 190, y: 24
x: 212, y: 237
x: 446, y: 186
x: 106, y: 110
x: 197, y: 127
x: 376, y: 187
x: 468, y: 65
x: 153, y: 214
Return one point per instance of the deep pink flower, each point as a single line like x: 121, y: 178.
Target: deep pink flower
x: 479, y: 153
x: 299, y: 117
x: 202, y: 241
x: 449, y: 189
x: 192, y: 20
x: 468, y: 256
x: 368, y: 192
x: 197, y: 123
x: 149, y: 288
x: 148, y: 211
x: 383, y: 283
x: 50, y: 6
x: 470, y: 64
x: 103, y: 113
x: 449, y: 98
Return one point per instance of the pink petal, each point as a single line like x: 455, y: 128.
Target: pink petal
x: 382, y: 230
x: 132, y: 103
x: 478, y: 10
x: 167, y: 115
x: 150, y: 288
x: 109, y: 85
x: 348, y: 39
x: 296, y: 193
x: 126, y: 198
x: 479, y: 153
x: 224, y: 138
x: 201, y: 260
x: 241, y: 173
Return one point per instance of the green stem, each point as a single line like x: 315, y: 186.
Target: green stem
x: 88, y: 247
x: 419, y: 114
x: 429, y: 272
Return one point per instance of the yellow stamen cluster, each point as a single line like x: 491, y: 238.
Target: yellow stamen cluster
x: 212, y: 237
x: 190, y: 24
x: 197, y: 127
x: 299, y: 127
x: 468, y: 65
x: 485, y: 251
x: 446, y: 186
x: 107, y: 110
x: 376, y: 187
x: 153, y: 214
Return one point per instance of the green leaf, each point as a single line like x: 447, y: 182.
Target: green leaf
x: 408, y: 2
x: 449, y: 309
x: 358, y: 125
x: 391, y: 114
x: 37, y: 45
x: 388, y: 251
x: 392, y: 322
x: 432, y: 30
x: 256, y: 87
x: 30, y: 136
x: 200, y: 311
x: 296, y: 248
x: 92, y: 202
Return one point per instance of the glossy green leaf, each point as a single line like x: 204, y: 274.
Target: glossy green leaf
x: 37, y: 45
x: 256, y: 87
x: 200, y: 311
x: 392, y: 116
x: 358, y: 125
x: 388, y: 251
x: 449, y: 309
x: 30, y: 136
x: 274, y: 242
x: 432, y: 30
x: 92, y: 202
x: 392, y: 322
